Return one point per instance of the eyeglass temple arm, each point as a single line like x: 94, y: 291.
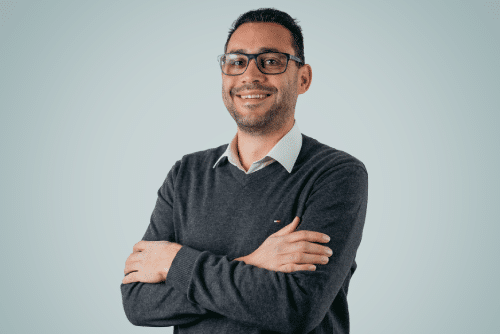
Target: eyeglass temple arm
x: 295, y: 58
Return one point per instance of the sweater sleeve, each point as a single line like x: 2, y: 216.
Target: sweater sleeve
x: 293, y: 302
x: 159, y: 305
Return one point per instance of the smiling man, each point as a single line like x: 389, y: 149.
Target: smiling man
x: 224, y: 252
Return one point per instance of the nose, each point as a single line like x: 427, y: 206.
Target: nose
x: 253, y: 73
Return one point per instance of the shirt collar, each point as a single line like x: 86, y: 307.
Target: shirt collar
x: 285, y: 151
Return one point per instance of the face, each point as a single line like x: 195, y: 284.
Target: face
x: 260, y: 116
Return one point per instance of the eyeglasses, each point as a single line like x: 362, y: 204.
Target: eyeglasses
x: 267, y: 62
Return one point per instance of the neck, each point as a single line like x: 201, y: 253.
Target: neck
x: 253, y: 148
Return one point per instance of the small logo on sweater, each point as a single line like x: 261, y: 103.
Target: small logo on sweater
x: 277, y: 221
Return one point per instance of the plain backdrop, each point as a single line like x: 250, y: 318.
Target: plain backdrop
x: 99, y: 99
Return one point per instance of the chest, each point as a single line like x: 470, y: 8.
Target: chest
x: 233, y: 220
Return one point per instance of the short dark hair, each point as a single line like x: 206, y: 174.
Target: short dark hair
x: 275, y: 16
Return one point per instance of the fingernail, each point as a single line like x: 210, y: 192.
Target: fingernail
x: 326, y: 238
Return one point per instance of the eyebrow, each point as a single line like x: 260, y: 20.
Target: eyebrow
x: 258, y: 51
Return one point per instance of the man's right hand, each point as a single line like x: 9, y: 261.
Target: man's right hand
x: 288, y: 250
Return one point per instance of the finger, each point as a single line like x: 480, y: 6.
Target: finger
x: 132, y: 266
x: 289, y: 228
x: 307, y: 247
x: 288, y: 268
x: 133, y: 277
x: 305, y: 235
x: 140, y: 246
x: 132, y: 258
x: 129, y: 269
x: 314, y: 248
x: 302, y: 258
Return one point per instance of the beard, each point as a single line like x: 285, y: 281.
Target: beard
x: 271, y: 121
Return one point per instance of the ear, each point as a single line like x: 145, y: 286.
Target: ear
x: 305, y: 77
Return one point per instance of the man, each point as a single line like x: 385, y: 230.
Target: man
x: 236, y: 202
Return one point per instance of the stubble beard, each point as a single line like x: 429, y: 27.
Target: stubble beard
x: 271, y: 121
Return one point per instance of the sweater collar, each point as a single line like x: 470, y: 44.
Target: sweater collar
x: 285, y: 151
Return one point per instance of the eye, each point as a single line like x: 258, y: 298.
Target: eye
x: 237, y: 62
x: 273, y: 62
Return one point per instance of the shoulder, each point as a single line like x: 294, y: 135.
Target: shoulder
x: 192, y: 166
x: 323, y: 158
x: 199, y: 160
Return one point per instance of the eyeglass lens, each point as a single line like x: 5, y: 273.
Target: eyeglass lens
x: 234, y: 64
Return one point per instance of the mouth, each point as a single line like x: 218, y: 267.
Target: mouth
x: 253, y: 98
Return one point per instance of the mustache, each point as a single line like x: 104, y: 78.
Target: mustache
x: 253, y: 86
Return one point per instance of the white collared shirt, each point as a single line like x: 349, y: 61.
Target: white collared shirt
x: 285, y: 152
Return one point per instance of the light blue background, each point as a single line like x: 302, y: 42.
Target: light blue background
x: 98, y: 100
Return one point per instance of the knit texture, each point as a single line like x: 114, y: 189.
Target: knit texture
x: 219, y: 214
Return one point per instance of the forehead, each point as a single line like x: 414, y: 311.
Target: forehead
x: 254, y: 37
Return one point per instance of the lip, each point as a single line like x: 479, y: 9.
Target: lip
x: 252, y: 92
x: 253, y: 101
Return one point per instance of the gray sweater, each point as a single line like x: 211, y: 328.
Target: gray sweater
x: 219, y: 214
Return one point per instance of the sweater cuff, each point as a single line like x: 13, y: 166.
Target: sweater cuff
x: 180, y: 272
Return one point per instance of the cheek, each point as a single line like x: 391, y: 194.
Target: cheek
x: 226, y: 97
x: 225, y: 90
x: 289, y: 89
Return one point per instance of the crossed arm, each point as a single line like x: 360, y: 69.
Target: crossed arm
x: 284, y: 251
x: 183, y: 298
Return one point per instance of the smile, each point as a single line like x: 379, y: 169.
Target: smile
x: 253, y: 98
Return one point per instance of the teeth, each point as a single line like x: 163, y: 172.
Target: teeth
x: 253, y: 96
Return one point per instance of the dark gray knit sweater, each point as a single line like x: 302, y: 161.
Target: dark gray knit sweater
x: 219, y: 214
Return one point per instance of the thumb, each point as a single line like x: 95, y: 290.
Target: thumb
x: 290, y: 227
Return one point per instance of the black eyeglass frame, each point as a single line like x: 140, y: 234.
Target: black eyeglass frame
x: 251, y: 56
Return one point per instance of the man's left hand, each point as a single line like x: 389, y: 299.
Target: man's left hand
x: 150, y: 261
